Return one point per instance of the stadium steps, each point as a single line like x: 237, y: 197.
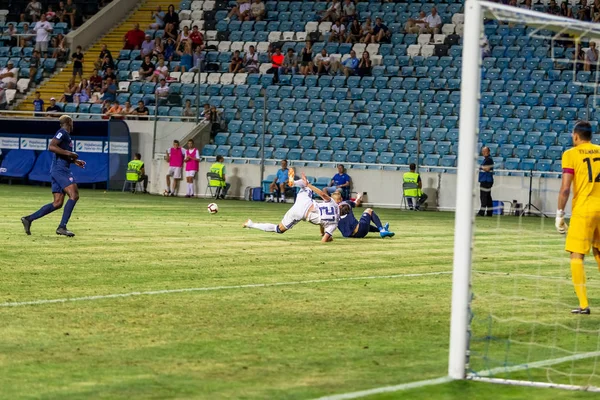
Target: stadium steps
x: 55, y: 86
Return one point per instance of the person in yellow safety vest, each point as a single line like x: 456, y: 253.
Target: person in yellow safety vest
x: 413, y: 177
x: 140, y: 176
x: 219, y: 169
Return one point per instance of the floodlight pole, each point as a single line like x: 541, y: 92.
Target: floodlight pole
x: 463, y: 223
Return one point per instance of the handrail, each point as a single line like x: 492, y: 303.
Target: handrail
x: 56, y: 114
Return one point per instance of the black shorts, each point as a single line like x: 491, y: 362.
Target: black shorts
x: 364, y: 225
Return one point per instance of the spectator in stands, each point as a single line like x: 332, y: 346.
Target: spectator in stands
x: 565, y: 10
x: 595, y: 10
x: 183, y: 38
x: 257, y: 10
x: 58, y: 43
x: 416, y: 25
x: 169, y: 49
x: 70, y: 89
x: 70, y: 13
x: 553, y: 8
x: 159, y: 19
x: 338, y: 32
x: 170, y: 33
x: 162, y: 91
x: 186, y: 59
x: 205, y: 114
x: 11, y: 31
x: 104, y: 52
x: 109, y: 73
x: 115, y: 110
x: 366, y: 30
x: 414, y: 190
x: 381, y: 33
x: 251, y: 61
x: 241, y: 11
x: 34, y: 65
x: 60, y: 10
x: 171, y: 18
x: 276, y: 64
x: 127, y: 109
x: 290, y: 63
x: 280, y: 183
x: 53, y: 108
x: 38, y: 104
x: 365, y: 65
x: 348, y: 11
x: 351, y: 64
x: 197, y: 38
x: 527, y: 5
x: 78, y: 62
x: 582, y: 11
x: 324, y: 63
x: 3, y: 101
x: 219, y: 168
x: 161, y: 72
x: 141, y: 111
x: 42, y: 30
x: 82, y: 94
x: 434, y: 21
x: 236, y: 64
x: 158, y: 48
x: 26, y: 39
x: 147, y: 47
x: 187, y: 109
x: 32, y: 12
x: 109, y: 90
x: 591, y: 57
x: 339, y: 183
x: 355, y: 32
x: 485, y: 47
x: 333, y: 12
x: 107, y: 64
x: 9, y: 75
x: 51, y: 15
x: 146, y: 69
x: 95, y: 82
x: 579, y: 58
x: 198, y: 60
x: 133, y: 39
x: 216, y: 119
x: 105, y: 107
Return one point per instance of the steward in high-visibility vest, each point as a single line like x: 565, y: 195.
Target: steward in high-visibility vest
x: 413, y: 179
x: 136, y: 172
x: 219, y: 169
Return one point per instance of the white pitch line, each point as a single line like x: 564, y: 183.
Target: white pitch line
x: 387, y: 389
x: 214, y: 288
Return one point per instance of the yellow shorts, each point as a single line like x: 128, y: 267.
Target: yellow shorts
x: 583, y: 234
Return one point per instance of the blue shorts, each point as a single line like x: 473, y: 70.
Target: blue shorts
x: 60, y: 180
x: 364, y: 225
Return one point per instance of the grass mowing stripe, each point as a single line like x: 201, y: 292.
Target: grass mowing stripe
x: 213, y: 288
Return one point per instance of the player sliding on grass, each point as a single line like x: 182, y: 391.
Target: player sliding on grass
x: 62, y: 178
x: 581, y: 168
x: 326, y: 213
x: 350, y: 227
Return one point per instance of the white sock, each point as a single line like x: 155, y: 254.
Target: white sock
x: 299, y: 183
x: 263, y: 227
x: 271, y: 197
x: 191, y: 189
x: 282, y: 198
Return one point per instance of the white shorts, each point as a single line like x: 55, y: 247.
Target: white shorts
x: 190, y: 174
x: 298, y: 211
x: 175, y: 172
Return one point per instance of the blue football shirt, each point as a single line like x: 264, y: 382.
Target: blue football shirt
x: 340, y: 179
x: 62, y: 163
x: 282, y: 175
x: 347, y: 222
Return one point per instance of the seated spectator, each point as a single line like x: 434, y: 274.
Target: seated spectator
x: 146, y: 69
x: 276, y: 64
x: 58, y: 43
x: 338, y: 32
x: 187, y: 109
x: 591, y: 57
x: 170, y: 33
x: 257, y: 10
x: 197, y: 38
x: 198, y: 60
x: 141, y: 111
x: 109, y: 74
x: 161, y: 72
x: 381, y: 33
x: 183, y: 38
x: 594, y: 10
x: 115, y: 110
x: 290, y: 63
x: 365, y: 65
x: 333, y: 12
x: 127, y: 109
x: 169, y: 49
x: 42, y: 30
x: 162, y: 91
x: 418, y: 25
x: 82, y: 95
x: 69, y: 14
x: 107, y: 63
x: 34, y: 65
x: 78, y: 62
x: 355, y: 32
x: 158, y: 48
x: 106, y: 104
x: 205, y: 114
x: 351, y: 64
x: 95, y: 82
x: 104, y: 52
x: 60, y: 10
x: 51, y: 15
x: 11, y: 31
x: 306, y: 64
x: 579, y: 58
x: 242, y: 11
x: 552, y: 8
x: 339, y: 183
x: 280, y: 184
x: 53, y: 109
x: 216, y: 120
x: 70, y: 89
x: 527, y: 5
x: 485, y: 47
x: 237, y: 63
x: 434, y: 22
x: 324, y: 63
x: 582, y: 11
x: 186, y: 59
x: 147, y: 47
x: 171, y: 18
x: 38, y: 104
x: 109, y: 90
x: 26, y: 38
x: 9, y: 75
x: 32, y: 12
x: 134, y: 38
x: 251, y: 61
x: 159, y: 19
x: 348, y: 12
x: 414, y: 190
x: 366, y: 30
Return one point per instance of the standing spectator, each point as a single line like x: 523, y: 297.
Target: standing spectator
x: 290, y: 63
x: 241, y: 11
x: 78, y: 63
x: 34, y: 65
x: 171, y: 18
x: 486, y: 181
x: 11, y: 31
x: 414, y: 191
x: 276, y: 64
x: 162, y: 92
x: 186, y: 59
x: 32, y: 12
x: 104, y: 52
x: 53, y: 108
x: 417, y: 25
x: 197, y: 38
x: 169, y: 50
x: 42, y: 30
x: 38, y: 104
x: 147, y: 47
x: 95, y: 82
x: 306, y: 64
x: 9, y: 75
x: 280, y: 184
x: 434, y: 22
x: 161, y: 72
x: 354, y: 33
x: 333, y: 12
x: 340, y: 182
x: 192, y: 165
x: 146, y: 69
x: 351, y: 64
x: 183, y: 38
x: 70, y: 13
x: 133, y: 39
x: 381, y: 33
x: 187, y: 109
x: 159, y: 19
x: 219, y: 169
x: 175, y: 157
x: 141, y: 111
x: 251, y: 61
x: 565, y: 11
x: 58, y: 43
x: 348, y: 12
x: 236, y: 63
x: 552, y: 8
x: 591, y: 57
x: 109, y: 90
x: 365, y: 65
x: 338, y: 32
x: 257, y: 10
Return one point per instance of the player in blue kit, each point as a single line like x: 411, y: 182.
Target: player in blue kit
x: 350, y: 227
x: 62, y: 178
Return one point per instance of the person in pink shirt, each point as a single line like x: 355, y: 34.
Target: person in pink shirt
x: 175, y: 157
x: 192, y: 164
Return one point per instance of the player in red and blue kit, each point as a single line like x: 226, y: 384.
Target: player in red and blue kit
x: 349, y: 226
x: 62, y: 178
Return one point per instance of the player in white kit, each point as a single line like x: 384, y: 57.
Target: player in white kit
x: 325, y: 213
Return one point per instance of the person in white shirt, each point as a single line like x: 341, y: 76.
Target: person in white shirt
x: 333, y: 12
x: 161, y: 72
x: 251, y: 61
x: 325, y: 63
x: 258, y: 10
x: 9, y: 75
x: 434, y: 21
x: 162, y: 90
x: 42, y: 30
x: 32, y: 11
x: 416, y: 25
x: 338, y: 32
x: 242, y: 11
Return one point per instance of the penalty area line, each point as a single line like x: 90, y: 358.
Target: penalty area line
x: 216, y: 288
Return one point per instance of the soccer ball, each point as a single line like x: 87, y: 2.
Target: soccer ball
x: 166, y: 193
x: 213, y: 208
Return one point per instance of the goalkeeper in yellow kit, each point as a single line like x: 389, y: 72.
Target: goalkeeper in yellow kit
x: 581, y: 169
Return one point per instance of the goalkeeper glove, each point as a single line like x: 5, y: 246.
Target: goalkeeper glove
x: 561, y: 225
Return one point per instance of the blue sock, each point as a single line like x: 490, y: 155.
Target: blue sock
x: 45, y: 210
x: 376, y: 220
x: 67, y: 213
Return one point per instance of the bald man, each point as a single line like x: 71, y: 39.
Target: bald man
x: 486, y: 181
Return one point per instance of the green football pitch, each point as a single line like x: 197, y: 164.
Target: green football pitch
x: 210, y: 310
